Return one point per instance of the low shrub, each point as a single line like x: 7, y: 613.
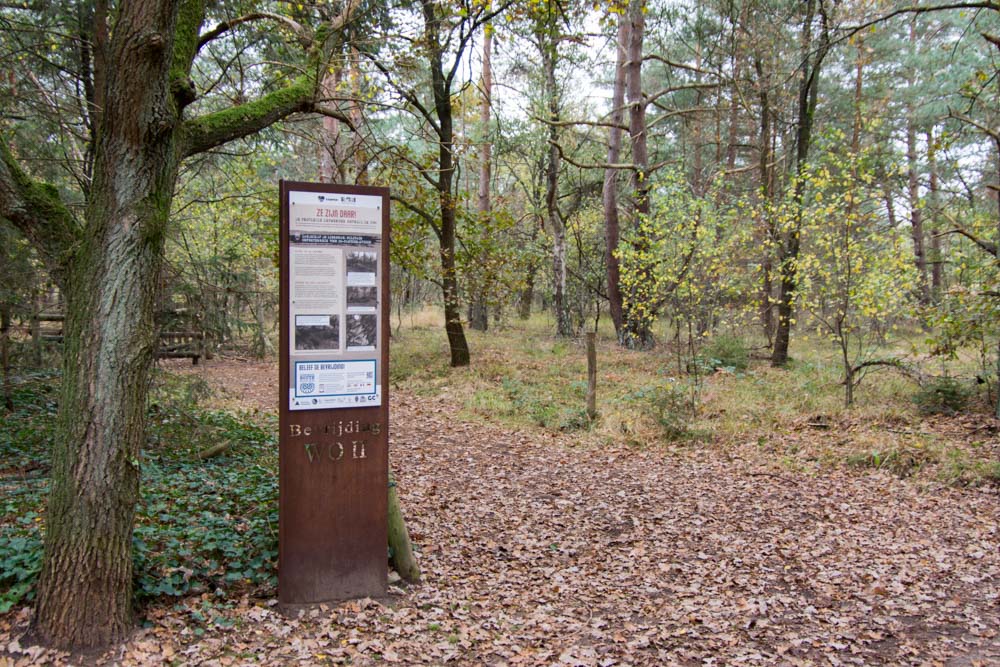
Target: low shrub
x: 942, y: 396
x: 671, y: 406
x: 726, y: 351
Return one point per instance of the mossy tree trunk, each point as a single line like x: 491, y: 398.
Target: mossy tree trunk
x: 109, y: 342
x: 108, y: 264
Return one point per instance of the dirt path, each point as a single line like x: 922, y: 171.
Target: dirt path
x: 537, y: 551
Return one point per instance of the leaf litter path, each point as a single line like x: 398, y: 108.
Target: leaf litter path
x: 538, y: 550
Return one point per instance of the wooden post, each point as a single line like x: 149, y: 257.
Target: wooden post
x: 36, y: 332
x: 8, y: 402
x: 591, y: 376
x: 399, y: 538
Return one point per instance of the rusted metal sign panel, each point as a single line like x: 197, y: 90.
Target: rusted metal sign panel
x: 333, y: 392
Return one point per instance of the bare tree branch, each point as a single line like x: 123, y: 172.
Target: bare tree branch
x: 671, y: 63
x: 673, y: 89
x: 574, y: 123
x: 302, y: 34
x: 990, y: 248
x: 992, y: 133
x: 917, y: 9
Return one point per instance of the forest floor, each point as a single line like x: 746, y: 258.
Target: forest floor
x: 539, y: 547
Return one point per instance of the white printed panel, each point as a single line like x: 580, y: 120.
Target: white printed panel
x: 335, y: 384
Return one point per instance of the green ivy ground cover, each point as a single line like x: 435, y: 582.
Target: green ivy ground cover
x: 201, y: 526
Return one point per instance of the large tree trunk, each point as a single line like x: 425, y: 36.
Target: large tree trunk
x: 85, y: 586
x: 546, y: 34
x: 812, y: 61
x: 638, y: 310
x: 446, y: 136
x: 108, y: 269
x: 612, y: 225
x: 935, y: 255
x: 768, y: 231
x: 479, y: 316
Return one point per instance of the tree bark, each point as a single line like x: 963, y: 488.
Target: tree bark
x: 612, y: 225
x: 812, y: 61
x: 637, y: 308
x: 479, y: 316
x: 768, y: 230
x: 457, y: 343
x: 85, y: 586
x: 935, y: 255
x: 916, y: 213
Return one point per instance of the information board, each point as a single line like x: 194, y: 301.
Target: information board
x: 334, y: 253
x: 333, y: 402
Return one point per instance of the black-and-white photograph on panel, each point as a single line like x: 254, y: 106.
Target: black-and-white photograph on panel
x: 317, y: 332
x: 362, y: 262
x: 362, y: 297
x: 362, y: 331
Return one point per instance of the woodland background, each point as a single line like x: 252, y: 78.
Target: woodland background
x: 780, y: 218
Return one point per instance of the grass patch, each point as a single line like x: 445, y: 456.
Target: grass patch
x: 524, y: 376
x: 962, y: 469
x: 418, y: 358
x: 902, y: 462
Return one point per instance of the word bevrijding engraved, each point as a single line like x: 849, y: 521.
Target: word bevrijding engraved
x: 337, y: 428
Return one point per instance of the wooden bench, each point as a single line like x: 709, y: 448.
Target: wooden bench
x: 182, y: 345
x: 49, y: 334
x: 173, y: 344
